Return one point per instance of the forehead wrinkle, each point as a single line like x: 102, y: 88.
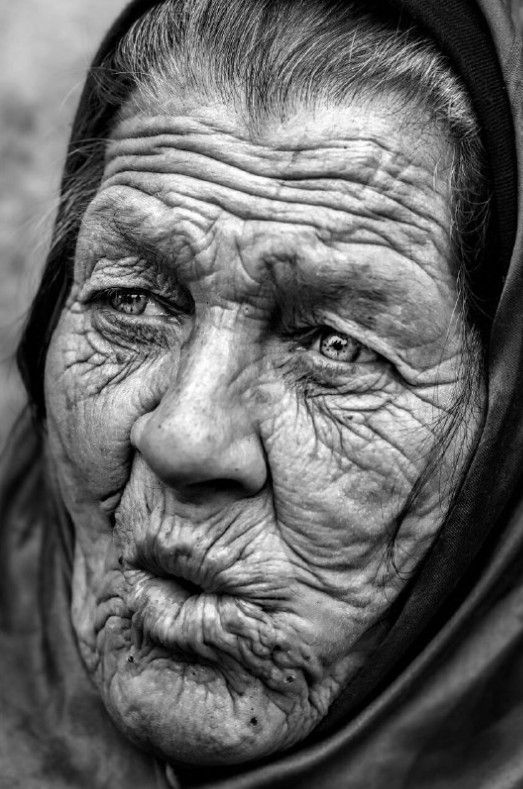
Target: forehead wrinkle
x: 158, y: 243
x: 320, y: 267
x: 302, y: 271
x: 288, y: 173
x: 272, y: 157
x: 332, y: 222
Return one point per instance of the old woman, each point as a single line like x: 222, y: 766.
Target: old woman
x: 264, y: 527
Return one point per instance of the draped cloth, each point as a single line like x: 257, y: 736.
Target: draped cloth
x: 441, y: 702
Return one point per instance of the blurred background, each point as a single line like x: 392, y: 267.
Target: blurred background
x: 45, y: 49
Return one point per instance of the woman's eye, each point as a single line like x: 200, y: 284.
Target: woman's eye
x: 132, y: 302
x: 337, y: 347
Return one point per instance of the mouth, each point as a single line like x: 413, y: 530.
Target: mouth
x: 191, y: 588
x: 181, y: 621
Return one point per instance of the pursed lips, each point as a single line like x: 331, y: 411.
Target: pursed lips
x: 217, y: 629
x: 193, y: 605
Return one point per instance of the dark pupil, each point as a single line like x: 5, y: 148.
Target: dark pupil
x: 337, y: 347
x: 130, y: 303
x: 336, y: 344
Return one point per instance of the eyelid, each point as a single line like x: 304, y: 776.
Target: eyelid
x: 140, y: 276
x: 97, y: 285
x: 174, y: 298
x: 100, y: 294
x: 167, y: 311
x: 365, y: 337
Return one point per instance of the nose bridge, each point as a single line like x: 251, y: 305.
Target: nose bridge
x: 209, y: 369
x: 201, y: 432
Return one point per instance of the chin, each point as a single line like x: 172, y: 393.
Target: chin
x: 190, y: 711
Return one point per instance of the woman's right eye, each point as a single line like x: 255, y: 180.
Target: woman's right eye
x: 135, y: 303
x: 129, y: 302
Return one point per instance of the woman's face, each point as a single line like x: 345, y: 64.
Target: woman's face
x: 256, y: 364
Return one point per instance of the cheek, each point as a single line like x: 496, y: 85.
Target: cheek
x: 93, y: 401
x: 341, y: 458
x: 342, y: 474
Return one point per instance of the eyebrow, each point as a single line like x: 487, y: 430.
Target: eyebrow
x: 132, y: 235
x: 332, y: 283
x: 357, y: 291
x: 368, y: 287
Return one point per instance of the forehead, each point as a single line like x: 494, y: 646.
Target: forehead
x: 332, y: 197
x: 376, y: 134
x: 321, y: 170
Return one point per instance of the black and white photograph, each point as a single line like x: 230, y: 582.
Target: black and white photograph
x: 261, y: 394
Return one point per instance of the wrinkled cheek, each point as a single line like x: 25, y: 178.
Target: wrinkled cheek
x: 349, y: 492
x: 89, y: 439
x: 98, y: 594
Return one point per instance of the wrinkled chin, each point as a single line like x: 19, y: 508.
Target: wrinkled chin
x: 187, y: 710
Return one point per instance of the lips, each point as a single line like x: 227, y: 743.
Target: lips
x: 199, y: 553
x: 199, y: 559
x: 220, y: 630
x: 200, y: 596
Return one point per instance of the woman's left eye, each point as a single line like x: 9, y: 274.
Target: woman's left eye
x: 337, y: 347
x: 135, y: 302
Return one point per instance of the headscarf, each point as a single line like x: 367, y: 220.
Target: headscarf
x: 441, y: 702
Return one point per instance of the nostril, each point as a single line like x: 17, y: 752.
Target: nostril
x: 211, y: 490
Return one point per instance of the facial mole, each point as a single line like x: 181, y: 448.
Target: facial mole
x: 130, y: 659
x: 254, y: 721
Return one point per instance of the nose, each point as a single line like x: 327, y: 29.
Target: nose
x: 200, y: 438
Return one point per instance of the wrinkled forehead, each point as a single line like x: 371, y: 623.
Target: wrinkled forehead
x: 325, y: 199
x: 326, y: 167
x: 378, y: 142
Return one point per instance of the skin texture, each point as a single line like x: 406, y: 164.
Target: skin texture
x: 259, y: 355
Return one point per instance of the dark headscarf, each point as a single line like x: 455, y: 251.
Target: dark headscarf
x: 441, y: 703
